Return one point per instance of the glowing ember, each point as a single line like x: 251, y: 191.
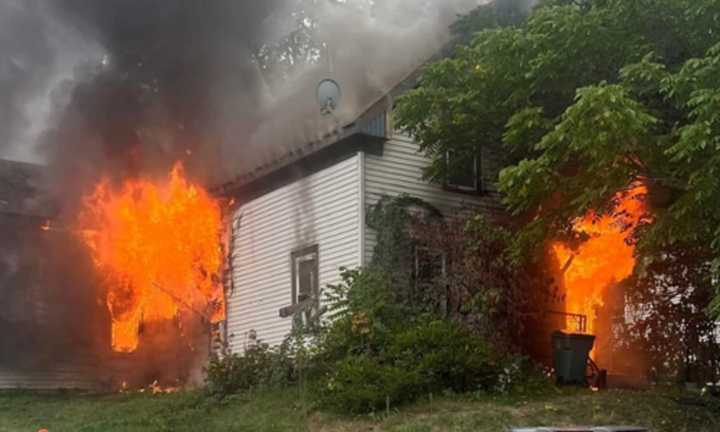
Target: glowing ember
x: 156, y: 243
x: 156, y: 388
x: 602, y: 261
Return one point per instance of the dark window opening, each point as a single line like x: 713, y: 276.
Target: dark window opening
x: 430, y: 271
x: 305, y: 282
x: 463, y: 174
x: 430, y: 268
x: 432, y: 280
x: 429, y: 264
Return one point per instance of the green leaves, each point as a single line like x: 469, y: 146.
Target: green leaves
x: 605, y: 131
x: 588, y: 99
x: 528, y: 181
x: 646, y: 77
x: 524, y: 128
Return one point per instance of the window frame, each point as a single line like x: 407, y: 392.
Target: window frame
x: 420, y: 284
x: 477, y: 187
x: 436, y: 253
x: 297, y: 255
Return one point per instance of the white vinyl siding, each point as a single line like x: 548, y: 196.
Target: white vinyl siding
x: 323, y: 209
x: 400, y: 170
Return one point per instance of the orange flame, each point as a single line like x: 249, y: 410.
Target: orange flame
x: 600, y: 262
x: 157, y: 245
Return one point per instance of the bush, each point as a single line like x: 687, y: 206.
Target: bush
x: 420, y: 357
x: 520, y: 375
x: 376, y: 347
x: 362, y: 315
x: 445, y: 356
x: 360, y: 384
x: 259, y: 366
x: 366, y: 293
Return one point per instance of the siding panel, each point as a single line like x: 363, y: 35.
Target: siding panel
x: 77, y: 374
x: 400, y: 170
x: 322, y: 209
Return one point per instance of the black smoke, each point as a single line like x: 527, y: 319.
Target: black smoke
x: 146, y: 83
x: 177, y: 81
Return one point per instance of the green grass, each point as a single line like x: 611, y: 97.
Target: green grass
x: 660, y: 411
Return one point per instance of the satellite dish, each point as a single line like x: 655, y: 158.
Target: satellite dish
x: 328, y: 94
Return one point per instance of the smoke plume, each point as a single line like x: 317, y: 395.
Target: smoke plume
x: 123, y: 87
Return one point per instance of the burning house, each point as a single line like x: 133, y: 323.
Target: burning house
x: 139, y: 110
x: 125, y: 294
x: 166, y: 263
x: 128, y: 275
x: 171, y: 265
x: 297, y: 222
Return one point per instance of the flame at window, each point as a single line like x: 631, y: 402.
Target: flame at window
x: 156, y: 245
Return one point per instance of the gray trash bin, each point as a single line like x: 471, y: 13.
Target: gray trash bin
x: 570, y: 354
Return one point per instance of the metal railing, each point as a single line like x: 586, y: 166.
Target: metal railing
x: 580, y: 320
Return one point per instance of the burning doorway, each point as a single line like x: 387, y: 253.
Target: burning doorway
x: 590, y: 274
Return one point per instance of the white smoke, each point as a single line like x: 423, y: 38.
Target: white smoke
x: 39, y: 53
x: 369, y: 46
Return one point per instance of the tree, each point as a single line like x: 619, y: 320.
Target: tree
x: 588, y: 98
x: 496, y: 14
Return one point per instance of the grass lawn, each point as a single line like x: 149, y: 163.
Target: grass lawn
x: 660, y: 411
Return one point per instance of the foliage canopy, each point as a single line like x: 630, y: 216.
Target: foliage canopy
x: 587, y: 98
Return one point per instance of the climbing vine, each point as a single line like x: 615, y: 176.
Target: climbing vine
x: 460, y: 267
x: 393, y: 218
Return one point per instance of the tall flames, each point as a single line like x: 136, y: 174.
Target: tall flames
x: 156, y: 244
x: 589, y: 272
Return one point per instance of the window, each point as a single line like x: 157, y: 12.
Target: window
x: 377, y: 124
x: 305, y: 281
x: 431, y: 270
x: 429, y: 264
x: 464, y: 174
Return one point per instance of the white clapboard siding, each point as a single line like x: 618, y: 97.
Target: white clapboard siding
x: 400, y: 171
x: 323, y: 209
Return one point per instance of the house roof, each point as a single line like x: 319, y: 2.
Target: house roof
x: 363, y: 125
x: 21, y: 189
x: 364, y: 133
x: 300, y: 167
x: 366, y: 123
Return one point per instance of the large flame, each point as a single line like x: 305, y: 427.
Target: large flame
x: 606, y: 258
x: 157, y: 246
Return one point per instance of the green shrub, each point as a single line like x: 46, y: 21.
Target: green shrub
x: 420, y: 357
x: 259, y: 366
x: 375, y: 347
x: 445, y: 356
x: 360, y: 384
x: 361, y: 316
x: 366, y: 292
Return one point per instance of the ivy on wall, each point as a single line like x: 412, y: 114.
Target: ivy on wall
x: 392, y: 219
